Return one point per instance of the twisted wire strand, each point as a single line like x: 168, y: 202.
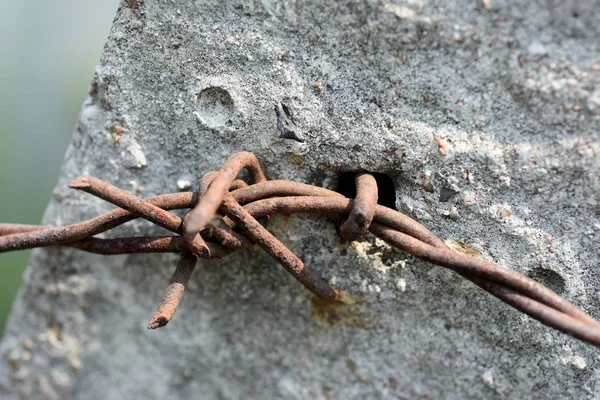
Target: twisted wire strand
x: 227, y: 214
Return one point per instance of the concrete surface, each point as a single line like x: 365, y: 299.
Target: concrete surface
x: 486, y: 117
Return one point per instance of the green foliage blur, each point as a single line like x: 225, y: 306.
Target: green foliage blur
x: 48, y: 51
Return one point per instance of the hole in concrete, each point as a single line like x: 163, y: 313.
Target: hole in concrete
x: 215, y: 107
x: 548, y: 278
x: 385, y: 184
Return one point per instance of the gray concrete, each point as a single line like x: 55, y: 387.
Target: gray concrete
x: 485, y: 115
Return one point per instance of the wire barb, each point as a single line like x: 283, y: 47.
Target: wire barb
x: 228, y: 214
x: 362, y: 213
x: 174, y: 292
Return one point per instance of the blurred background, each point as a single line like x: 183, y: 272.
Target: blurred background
x: 48, y: 51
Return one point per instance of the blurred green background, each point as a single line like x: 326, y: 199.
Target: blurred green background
x: 48, y: 51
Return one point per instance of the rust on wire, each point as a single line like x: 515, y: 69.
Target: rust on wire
x: 174, y: 292
x: 227, y: 214
x: 362, y: 213
x: 257, y: 233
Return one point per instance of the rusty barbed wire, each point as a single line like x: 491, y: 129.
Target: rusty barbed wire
x: 227, y: 214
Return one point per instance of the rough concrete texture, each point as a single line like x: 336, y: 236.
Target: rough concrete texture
x: 485, y: 115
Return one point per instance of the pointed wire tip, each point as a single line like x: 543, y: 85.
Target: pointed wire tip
x: 80, y: 183
x: 158, y: 322
x: 192, y: 225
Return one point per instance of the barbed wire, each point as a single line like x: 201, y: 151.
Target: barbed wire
x: 227, y: 214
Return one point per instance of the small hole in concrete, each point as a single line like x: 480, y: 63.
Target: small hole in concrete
x: 548, y: 278
x: 385, y: 184
x: 215, y: 107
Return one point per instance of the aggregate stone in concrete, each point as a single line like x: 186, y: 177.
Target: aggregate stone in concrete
x: 484, y: 115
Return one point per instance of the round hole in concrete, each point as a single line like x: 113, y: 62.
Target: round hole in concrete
x: 552, y: 280
x: 215, y: 107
